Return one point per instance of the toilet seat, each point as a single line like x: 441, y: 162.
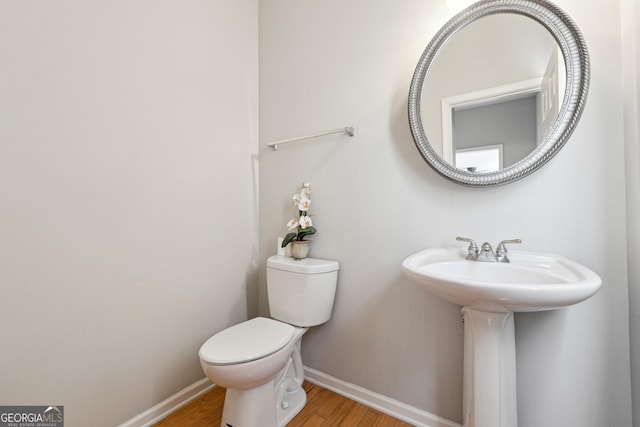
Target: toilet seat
x: 246, y: 341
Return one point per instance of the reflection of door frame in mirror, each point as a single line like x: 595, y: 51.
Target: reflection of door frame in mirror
x: 481, y: 98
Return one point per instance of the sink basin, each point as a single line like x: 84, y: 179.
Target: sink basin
x: 530, y: 282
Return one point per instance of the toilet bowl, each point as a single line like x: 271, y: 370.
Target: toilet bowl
x: 257, y: 358
x: 258, y: 361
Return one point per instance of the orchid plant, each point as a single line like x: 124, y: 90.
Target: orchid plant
x: 302, y: 223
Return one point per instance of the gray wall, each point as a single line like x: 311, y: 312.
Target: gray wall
x: 128, y: 214
x: 334, y: 63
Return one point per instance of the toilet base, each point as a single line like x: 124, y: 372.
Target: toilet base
x: 260, y: 400
x: 264, y: 411
x: 291, y: 404
x: 273, y: 404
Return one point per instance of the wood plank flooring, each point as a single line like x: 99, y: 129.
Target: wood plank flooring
x: 324, y: 408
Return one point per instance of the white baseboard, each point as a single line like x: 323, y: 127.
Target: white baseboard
x: 169, y: 405
x: 384, y: 404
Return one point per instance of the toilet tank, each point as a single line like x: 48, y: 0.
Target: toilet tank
x: 301, y: 292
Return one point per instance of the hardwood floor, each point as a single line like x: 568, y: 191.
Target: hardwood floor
x: 324, y: 409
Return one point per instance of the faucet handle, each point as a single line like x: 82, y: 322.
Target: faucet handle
x: 501, y: 250
x: 472, y: 250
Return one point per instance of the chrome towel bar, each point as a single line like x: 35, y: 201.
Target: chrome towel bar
x: 349, y: 130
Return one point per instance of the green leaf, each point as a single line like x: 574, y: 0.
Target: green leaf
x: 305, y: 232
x: 288, y: 238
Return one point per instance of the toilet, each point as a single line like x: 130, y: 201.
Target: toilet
x: 258, y: 361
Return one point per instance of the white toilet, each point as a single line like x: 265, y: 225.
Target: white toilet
x: 258, y: 361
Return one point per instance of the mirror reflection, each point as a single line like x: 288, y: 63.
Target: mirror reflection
x: 493, y: 93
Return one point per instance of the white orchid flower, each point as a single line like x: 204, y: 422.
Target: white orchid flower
x: 305, y: 191
x: 304, y: 204
x: 293, y: 224
x: 296, y: 199
x: 305, y: 221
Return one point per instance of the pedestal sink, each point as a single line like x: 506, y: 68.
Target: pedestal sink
x: 490, y: 293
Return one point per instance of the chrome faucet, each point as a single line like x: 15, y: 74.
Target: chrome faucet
x: 501, y: 251
x: 486, y: 253
x: 472, y: 250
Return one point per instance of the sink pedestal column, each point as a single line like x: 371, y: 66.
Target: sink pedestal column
x: 489, y: 390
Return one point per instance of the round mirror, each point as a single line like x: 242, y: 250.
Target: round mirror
x: 498, y: 91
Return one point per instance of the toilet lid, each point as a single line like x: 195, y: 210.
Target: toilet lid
x: 247, y: 341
